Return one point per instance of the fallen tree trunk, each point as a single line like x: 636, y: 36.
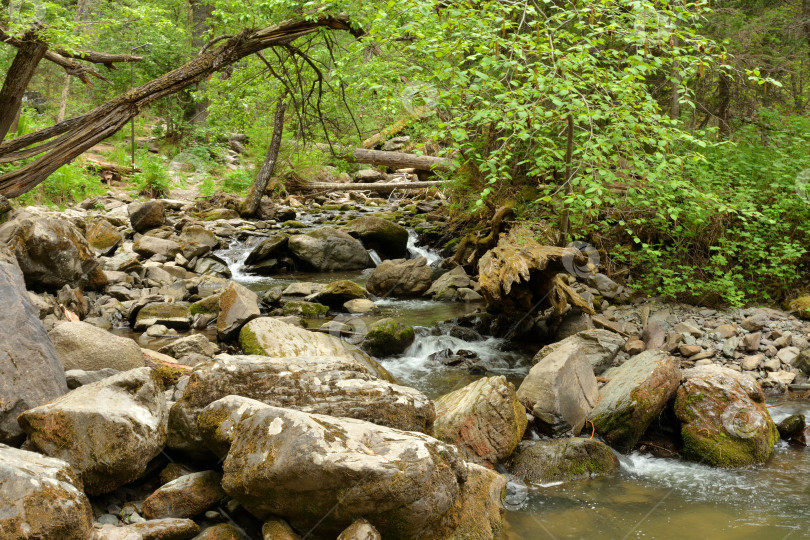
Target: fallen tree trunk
x: 99, y: 165
x: 77, y: 135
x: 396, y: 160
x: 382, y: 187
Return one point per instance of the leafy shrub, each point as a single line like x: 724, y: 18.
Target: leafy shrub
x: 238, y: 182
x: 153, y: 180
x: 69, y: 184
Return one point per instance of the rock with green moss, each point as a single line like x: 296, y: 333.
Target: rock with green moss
x: 484, y: 420
x: 185, y: 497
x: 801, y: 306
x: 337, y: 293
x: 325, y: 385
x: 636, y: 394
x: 102, y: 235
x: 237, y: 306
x: 381, y: 235
x: 218, y: 213
x: 294, y: 224
x: 387, y: 337
x: 790, y: 426
x: 147, y: 246
x: 172, y: 315
x: 278, y: 529
x: 221, y: 531
x: 329, y: 250
x: 560, y: 390
x: 724, y: 420
x: 320, y: 470
x: 208, y: 305
x: 400, y: 277
x: 477, y: 513
x: 301, y: 308
x: 41, y: 497
x: 273, y: 337
x: 197, y: 241
x: 108, y: 430
x: 561, y: 460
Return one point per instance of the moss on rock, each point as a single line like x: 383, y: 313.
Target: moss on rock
x: 387, y: 337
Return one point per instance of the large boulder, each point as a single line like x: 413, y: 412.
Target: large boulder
x: 560, y: 390
x: 339, y: 292
x: 197, y: 241
x: 273, y: 247
x: 185, y: 497
x: 387, y: 337
x: 448, y: 284
x: 102, y: 235
x: 175, y: 315
x: 484, y: 420
x: 724, y: 420
x: 400, y: 277
x: 329, y: 250
x: 326, y: 385
x: 561, y: 460
x: 636, y: 394
x: 107, y: 430
x: 41, y: 498
x: 32, y: 374
x: 599, y: 347
x: 146, y: 215
x: 272, y: 337
x: 51, y: 253
x: 237, y: 306
x: 321, y: 473
x: 148, y: 246
x: 381, y: 235
x: 83, y: 346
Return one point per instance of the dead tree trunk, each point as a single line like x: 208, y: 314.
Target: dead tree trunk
x: 258, y: 187
x: 396, y: 160
x: 29, y: 53
x: 724, y: 98
x: 76, y: 135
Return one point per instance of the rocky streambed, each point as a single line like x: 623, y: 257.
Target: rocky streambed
x: 175, y: 371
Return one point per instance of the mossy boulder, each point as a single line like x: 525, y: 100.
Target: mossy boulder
x: 218, y: 213
x: 724, y: 420
x: 41, y: 497
x: 222, y: 531
x: 381, y: 235
x: 400, y: 277
x: 108, y: 430
x: 636, y: 394
x: 387, y: 337
x: 561, y: 460
x: 791, y: 426
x: 329, y: 250
x: 102, y: 235
x: 172, y: 315
x: 273, y: 247
x: 308, y: 310
x: 185, y: 497
x: 337, y: 293
x: 484, y: 420
x: 272, y: 337
x: 208, y: 305
x: 801, y: 306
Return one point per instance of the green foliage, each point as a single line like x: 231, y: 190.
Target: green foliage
x: 238, y: 182
x: 69, y: 184
x: 153, y: 181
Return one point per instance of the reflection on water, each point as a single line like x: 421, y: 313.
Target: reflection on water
x: 665, y: 498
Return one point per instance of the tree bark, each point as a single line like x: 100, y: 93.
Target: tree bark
x: 260, y: 185
x: 76, y: 135
x: 29, y: 53
x: 396, y: 160
x: 724, y: 98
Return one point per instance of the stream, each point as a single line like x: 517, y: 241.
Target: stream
x: 650, y: 498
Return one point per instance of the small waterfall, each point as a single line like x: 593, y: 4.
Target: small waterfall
x: 235, y: 256
x: 374, y: 257
x: 417, y: 251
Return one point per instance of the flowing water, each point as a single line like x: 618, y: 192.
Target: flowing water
x: 650, y: 497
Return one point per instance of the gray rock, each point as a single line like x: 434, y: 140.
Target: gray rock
x: 107, y: 430
x: 445, y: 288
x: 41, y: 498
x: 636, y: 394
x: 360, y: 306
x: 32, y: 374
x: 193, y: 344
x: 400, y: 277
x: 160, y: 529
x: 197, y: 241
x: 484, y: 420
x: 345, y: 472
x: 750, y: 363
x: 146, y: 215
x: 383, y: 236
x: 755, y: 322
x: 271, y: 247
x: 788, y: 355
x: 361, y: 529
x: 172, y: 315
x: 329, y: 250
x: 802, y: 362
x: 751, y: 341
x: 560, y: 390
x: 562, y: 460
x: 77, y: 377
x: 278, y: 529
x: 83, y: 346
x: 606, y: 286
x: 51, y: 253
x: 598, y: 347
x: 334, y: 386
x: 237, y: 306
x: 147, y: 246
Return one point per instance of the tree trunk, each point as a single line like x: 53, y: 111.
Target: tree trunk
x: 396, y: 160
x: 569, y: 153
x: 201, y: 12
x: 258, y: 187
x: 76, y: 135
x: 724, y: 98
x: 80, y: 7
x: 30, y: 52
x: 675, y: 83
